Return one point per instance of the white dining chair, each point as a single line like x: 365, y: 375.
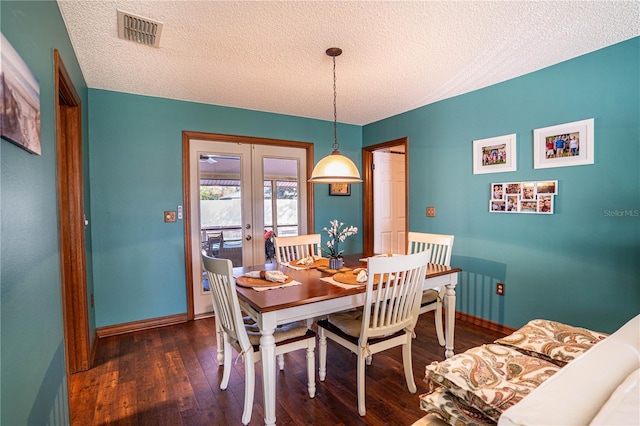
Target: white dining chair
x: 297, y: 247
x: 392, y: 299
x: 440, y: 246
x: 244, y: 335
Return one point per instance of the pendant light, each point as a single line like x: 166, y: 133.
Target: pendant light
x: 335, y: 168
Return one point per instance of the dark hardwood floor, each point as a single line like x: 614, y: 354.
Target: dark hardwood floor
x: 170, y: 376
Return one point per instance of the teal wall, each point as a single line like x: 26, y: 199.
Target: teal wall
x: 582, y: 264
x: 33, y: 380
x: 136, y: 174
x: 560, y: 267
x: 578, y: 266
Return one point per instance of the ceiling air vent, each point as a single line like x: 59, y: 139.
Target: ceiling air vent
x: 139, y: 29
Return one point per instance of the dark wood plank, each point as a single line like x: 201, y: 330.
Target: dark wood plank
x: 125, y: 407
x: 171, y: 376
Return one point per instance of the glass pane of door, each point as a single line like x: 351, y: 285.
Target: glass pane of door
x: 287, y: 207
x: 220, y: 208
x: 281, y: 201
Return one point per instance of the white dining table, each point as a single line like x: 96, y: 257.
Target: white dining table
x: 314, y: 298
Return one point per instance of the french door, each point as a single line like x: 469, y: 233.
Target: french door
x: 239, y: 193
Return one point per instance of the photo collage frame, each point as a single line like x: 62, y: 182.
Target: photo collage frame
x: 537, y: 197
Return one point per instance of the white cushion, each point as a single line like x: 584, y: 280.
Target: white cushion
x: 281, y: 333
x: 623, y: 407
x: 429, y: 296
x: 349, y: 322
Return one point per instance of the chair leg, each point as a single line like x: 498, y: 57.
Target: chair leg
x: 408, y: 366
x: 226, y: 363
x: 249, y: 386
x: 281, y: 362
x: 322, y: 350
x: 219, y: 343
x: 361, y: 389
x: 311, y: 369
x: 439, y: 328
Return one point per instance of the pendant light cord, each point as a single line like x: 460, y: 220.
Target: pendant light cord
x: 335, y: 113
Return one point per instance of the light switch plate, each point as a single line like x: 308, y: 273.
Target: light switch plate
x: 169, y: 216
x: 431, y: 212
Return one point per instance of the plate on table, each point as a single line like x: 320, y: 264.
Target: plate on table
x: 347, y: 278
x: 322, y: 262
x: 243, y: 281
x: 351, y: 277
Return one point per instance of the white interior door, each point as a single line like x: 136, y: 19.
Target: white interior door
x: 389, y: 201
x: 240, y: 191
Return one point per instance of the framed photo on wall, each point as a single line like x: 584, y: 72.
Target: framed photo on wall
x: 494, y: 155
x: 569, y: 144
x: 339, y: 189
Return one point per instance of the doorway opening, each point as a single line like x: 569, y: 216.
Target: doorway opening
x: 385, y: 185
x: 71, y: 220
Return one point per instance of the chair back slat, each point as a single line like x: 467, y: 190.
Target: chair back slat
x: 225, y: 300
x: 394, y: 290
x: 440, y: 245
x: 289, y: 249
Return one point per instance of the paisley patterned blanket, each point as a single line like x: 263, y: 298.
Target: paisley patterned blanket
x: 477, y: 386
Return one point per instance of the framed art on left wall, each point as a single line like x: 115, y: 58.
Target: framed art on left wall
x: 19, y: 101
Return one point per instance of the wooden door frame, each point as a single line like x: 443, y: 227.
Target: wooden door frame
x: 367, y: 189
x: 187, y: 136
x: 71, y: 220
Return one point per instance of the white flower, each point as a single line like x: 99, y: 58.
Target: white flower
x: 337, y: 235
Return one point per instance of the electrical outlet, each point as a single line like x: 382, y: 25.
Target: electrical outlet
x: 431, y: 212
x: 169, y: 216
x: 500, y: 289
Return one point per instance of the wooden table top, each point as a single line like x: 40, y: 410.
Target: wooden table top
x: 311, y: 289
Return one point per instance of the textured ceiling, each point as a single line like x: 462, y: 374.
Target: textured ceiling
x: 270, y: 55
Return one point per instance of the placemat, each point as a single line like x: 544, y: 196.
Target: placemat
x: 243, y: 281
x: 330, y: 280
x: 378, y: 255
x: 280, y: 285
x: 322, y: 262
x: 351, y: 277
x: 332, y: 271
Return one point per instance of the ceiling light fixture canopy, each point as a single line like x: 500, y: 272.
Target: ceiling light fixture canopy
x: 335, y: 168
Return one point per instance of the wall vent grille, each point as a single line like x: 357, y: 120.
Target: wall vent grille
x: 138, y: 29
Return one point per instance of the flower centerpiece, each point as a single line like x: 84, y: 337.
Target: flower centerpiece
x: 337, y: 234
